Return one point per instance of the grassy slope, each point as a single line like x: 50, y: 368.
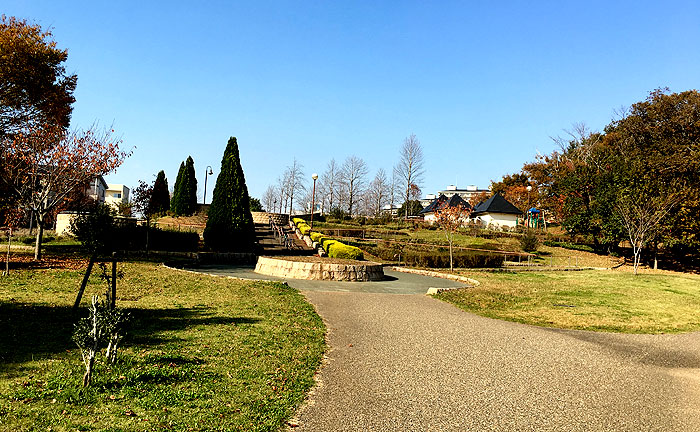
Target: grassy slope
x: 591, y: 300
x: 202, y: 353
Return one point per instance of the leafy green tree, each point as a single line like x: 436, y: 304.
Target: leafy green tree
x: 159, y: 202
x: 230, y: 224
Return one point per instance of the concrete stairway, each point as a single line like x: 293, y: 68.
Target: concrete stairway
x: 271, y: 245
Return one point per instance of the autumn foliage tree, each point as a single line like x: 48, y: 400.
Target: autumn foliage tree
x: 35, y: 89
x: 46, y: 164
x: 450, y: 219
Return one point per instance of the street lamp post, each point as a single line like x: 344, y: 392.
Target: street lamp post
x: 207, y: 173
x: 313, y: 199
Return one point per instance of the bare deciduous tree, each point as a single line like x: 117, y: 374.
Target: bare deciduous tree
x: 294, y: 179
x: 377, y: 193
x: 352, y: 177
x: 329, y: 185
x: 642, y: 217
x: 410, y: 167
x: 269, y: 198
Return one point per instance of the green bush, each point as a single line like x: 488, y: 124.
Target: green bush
x: 529, y: 241
x: 134, y: 238
x: 441, y: 259
x: 337, y: 249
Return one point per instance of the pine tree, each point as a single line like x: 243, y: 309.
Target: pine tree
x: 160, y: 197
x: 177, y: 205
x: 230, y: 224
x: 190, y: 191
x: 184, y: 202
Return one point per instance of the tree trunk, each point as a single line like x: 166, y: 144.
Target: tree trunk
x: 451, y: 266
x: 93, y: 257
x: 113, y: 295
x: 39, y: 235
x: 7, y: 258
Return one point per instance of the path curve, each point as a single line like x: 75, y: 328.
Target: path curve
x: 413, y: 363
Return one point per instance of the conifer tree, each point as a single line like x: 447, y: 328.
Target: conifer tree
x: 190, y: 191
x: 160, y: 197
x: 230, y: 224
x: 177, y: 206
x: 184, y: 202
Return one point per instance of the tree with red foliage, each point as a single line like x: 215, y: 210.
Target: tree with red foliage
x: 44, y: 165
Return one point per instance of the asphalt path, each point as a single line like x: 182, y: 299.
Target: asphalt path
x: 413, y: 363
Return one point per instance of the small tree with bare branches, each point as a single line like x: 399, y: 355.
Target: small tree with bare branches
x: 642, y: 218
x: 450, y: 219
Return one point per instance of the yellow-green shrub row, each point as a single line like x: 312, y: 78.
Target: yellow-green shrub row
x: 333, y: 248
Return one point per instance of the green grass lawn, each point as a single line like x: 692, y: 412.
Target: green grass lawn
x: 614, y: 301
x: 201, y: 353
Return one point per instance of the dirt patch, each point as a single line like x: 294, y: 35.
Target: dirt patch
x: 61, y: 263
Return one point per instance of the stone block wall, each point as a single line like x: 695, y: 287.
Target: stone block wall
x: 319, y: 270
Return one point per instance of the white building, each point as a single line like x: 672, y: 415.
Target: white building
x: 116, y: 194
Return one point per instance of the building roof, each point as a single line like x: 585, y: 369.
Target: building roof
x: 496, y: 204
x: 442, y: 201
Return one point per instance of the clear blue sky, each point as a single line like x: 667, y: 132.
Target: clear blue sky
x: 483, y: 85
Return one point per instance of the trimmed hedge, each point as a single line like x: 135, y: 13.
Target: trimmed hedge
x: 134, y: 238
x: 439, y: 259
x: 333, y: 248
x: 336, y: 249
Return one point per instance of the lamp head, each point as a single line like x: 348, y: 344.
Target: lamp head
x: 314, y: 176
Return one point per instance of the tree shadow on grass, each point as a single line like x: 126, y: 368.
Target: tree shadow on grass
x: 30, y: 331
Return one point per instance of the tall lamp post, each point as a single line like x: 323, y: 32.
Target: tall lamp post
x: 313, y: 198
x: 207, y: 173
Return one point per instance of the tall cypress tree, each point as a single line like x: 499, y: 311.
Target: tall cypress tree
x: 190, y: 191
x: 160, y: 197
x: 230, y: 224
x: 177, y: 204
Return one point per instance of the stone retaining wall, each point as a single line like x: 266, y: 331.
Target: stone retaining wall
x: 319, y: 270
x: 264, y: 218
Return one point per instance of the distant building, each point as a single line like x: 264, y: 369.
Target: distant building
x: 116, y: 194
x: 440, y: 203
x: 392, y: 210
x: 97, y: 189
x: 497, y: 211
x: 466, y: 194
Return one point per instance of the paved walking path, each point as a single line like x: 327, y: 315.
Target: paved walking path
x: 413, y: 363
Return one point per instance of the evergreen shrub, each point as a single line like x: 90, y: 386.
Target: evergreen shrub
x: 230, y: 225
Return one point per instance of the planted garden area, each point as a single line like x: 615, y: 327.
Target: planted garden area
x: 199, y: 353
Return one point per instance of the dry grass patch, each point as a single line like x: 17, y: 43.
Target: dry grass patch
x: 616, y: 301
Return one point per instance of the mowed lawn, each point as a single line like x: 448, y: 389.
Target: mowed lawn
x: 201, y: 354
x: 615, y: 301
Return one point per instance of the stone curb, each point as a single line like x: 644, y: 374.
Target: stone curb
x: 361, y: 272
x: 472, y: 282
